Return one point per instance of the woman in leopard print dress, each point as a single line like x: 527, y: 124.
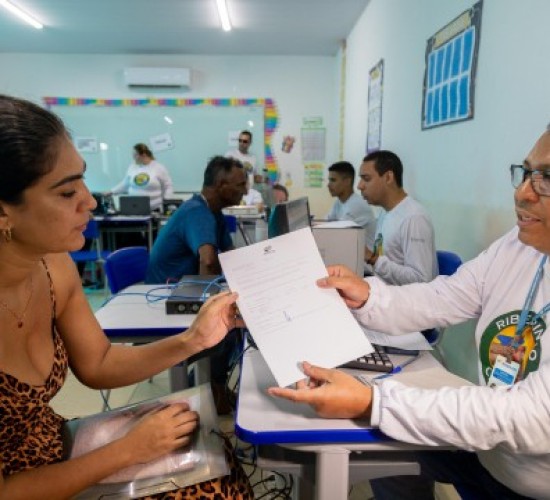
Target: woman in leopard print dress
x: 47, y: 325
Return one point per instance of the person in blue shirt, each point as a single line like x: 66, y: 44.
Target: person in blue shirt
x: 194, y: 235
x: 189, y: 245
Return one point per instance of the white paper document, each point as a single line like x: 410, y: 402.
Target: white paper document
x: 337, y: 224
x: 290, y: 318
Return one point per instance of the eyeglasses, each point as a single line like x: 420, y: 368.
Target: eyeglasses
x: 540, y: 179
x: 244, y: 141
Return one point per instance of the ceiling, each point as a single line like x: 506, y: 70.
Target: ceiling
x: 262, y: 27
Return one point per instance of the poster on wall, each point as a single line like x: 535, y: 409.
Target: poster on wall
x: 313, y: 174
x: 86, y: 144
x: 451, y: 63
x: 374, y: 126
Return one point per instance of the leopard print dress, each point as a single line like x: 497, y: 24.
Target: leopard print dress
x: 31, y: 432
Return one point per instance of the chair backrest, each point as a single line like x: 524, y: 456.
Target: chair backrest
x: 448, y: 262
x: 92, y: 230
x: 126, y: 266
x: 231, y: 223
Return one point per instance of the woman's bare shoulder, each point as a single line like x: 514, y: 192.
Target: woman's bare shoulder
x: 64, y: 276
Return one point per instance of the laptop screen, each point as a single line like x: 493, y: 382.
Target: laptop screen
x: 135, y: 205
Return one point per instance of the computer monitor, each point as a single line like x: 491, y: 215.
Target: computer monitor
x: 288, y: 216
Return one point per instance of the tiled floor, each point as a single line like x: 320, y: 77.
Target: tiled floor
x: 76, y: 400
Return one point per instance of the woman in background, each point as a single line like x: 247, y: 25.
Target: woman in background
x: 146, y: 177
x: 47, y: 325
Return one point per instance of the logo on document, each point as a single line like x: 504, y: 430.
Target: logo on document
x: 268, y: 249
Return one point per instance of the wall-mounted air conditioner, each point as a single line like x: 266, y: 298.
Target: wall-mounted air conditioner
x: 157, y: 77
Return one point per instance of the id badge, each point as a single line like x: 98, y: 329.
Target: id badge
x: 504, y: 372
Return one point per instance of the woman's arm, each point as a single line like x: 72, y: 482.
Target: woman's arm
x: 166, y: 182
x: 100, y: 364
x: 123, y: 185
x: 155, y: 435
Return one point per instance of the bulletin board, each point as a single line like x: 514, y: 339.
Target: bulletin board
x: 182, y: 133
x: 451, y: 63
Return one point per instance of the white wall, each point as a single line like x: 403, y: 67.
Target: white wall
x: 300, y: 86
x: 459, y: 172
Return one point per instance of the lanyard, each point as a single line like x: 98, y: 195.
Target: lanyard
x: 528, y: 303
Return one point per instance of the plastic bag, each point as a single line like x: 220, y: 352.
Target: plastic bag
x: 202, y: 460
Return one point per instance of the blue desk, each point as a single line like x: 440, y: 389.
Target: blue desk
x: 326, y: 454
x: 128, y: 317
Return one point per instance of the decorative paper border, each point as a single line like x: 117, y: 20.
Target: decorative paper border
x: 271, y: 118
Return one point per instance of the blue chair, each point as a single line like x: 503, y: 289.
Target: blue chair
x: 448, y: 262
x: 95, y: 255
x: 231, y: 223
x: 126, y: 266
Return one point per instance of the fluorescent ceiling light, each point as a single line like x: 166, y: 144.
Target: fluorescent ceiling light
x: 23, y: 15
x: 224, y: 15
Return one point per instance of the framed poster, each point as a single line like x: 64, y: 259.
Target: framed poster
x: 374, y: 126
x: 449, y: 78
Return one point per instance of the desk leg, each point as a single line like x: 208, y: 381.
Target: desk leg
x: 332, y: 475
x: 178, y: 377
x: 150, y: 235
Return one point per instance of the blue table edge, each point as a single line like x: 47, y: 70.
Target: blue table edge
x: 313, y: 436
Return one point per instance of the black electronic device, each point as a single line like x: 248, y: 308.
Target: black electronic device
x: 103, y: 204
x: 170, y: 205
x: 134, y: 205
x: 191, y: 292
x: 377, y: 361
x: 288, y: 216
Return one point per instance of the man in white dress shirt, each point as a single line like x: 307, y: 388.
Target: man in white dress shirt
x: 242, y: 153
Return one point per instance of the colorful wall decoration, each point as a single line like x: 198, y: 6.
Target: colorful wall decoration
x: 270, y: 113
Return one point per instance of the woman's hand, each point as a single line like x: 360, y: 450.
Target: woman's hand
x: 331, y: 393
x: 216, y: 317
x: 352, y: 288
x: 161, y: 432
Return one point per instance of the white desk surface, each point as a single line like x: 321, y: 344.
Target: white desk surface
x: 128, y: 317
x: 123, y: 218
x: 130, y: 311
x: 264, y: 419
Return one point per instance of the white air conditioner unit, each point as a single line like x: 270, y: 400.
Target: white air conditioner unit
x: 157, y: 77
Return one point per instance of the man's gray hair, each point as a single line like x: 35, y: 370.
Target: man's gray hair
x: 548, y: 127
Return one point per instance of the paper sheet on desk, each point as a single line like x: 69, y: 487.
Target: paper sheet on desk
x: 337, y: 224
x: 290, y: 318
x: 410, y: 341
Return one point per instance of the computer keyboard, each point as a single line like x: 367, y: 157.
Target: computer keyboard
x: 377, y: 361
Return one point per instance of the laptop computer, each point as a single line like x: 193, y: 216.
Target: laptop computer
x: 134, y: 205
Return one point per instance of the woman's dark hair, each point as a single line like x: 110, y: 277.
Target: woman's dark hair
x: 29, y: 140
x: 143, y: 149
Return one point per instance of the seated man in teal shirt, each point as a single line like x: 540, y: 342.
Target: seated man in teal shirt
x: 191, y: 240
x: 189, y: 245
